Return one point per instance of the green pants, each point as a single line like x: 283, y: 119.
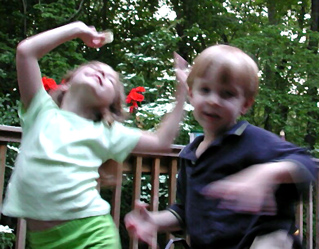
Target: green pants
x: 95, y: 232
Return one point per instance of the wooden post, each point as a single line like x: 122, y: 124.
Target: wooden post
x: 172, y: 179
x: 299, y: 218
x: 137, y: 175
x: 155, y: 189
x: 3, y: 152
x: 309, y: 232
x: 21, y: 234
x: 117, y: 192
x: 317, y: 211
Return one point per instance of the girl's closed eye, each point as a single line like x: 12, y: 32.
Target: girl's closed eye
x: 102, y: 73
x: 110, y: 78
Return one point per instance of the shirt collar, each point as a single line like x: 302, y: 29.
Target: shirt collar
x: 237, y: 129
x: 189, y: 151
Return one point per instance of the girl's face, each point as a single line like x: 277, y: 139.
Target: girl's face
x: 96, y: 83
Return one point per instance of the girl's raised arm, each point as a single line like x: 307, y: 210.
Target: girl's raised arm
x: 169, y: 127
x: 30, y: 50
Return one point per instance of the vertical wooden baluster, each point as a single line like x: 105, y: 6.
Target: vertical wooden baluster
x: 155, y: 188
x: 137, y: 175
x: 317, y: 212
x: 21, y: 234
x: 117, y: 192
x: 172, y: 174
x: 310, y: 220
x: 3, y: 152
x: 155, y: 184
x: 172, y: 177
x: 299, y: 218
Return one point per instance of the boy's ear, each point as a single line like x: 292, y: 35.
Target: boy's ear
x: 246, y: 106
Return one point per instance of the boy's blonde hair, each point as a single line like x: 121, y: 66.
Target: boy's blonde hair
x: 230, y: 63
x: 115, y: 111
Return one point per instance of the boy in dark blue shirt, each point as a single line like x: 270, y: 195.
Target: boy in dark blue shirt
x: 238, y: 184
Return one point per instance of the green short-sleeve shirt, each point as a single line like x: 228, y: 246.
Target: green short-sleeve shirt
x: 56, y: 170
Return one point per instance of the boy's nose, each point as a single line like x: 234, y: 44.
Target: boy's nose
x: 213, y: 99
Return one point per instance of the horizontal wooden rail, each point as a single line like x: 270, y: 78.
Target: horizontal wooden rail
x: 10, y: 134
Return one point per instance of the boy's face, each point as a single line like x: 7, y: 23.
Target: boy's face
x: 217, y: 103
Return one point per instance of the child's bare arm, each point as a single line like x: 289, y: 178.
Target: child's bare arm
x: 30, y: 50
x: 169, y: 127
x: 252, y: 190
x: 145, y: 225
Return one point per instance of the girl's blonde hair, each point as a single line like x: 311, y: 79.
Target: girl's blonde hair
x: 229, y: 63
x: 114, y: 112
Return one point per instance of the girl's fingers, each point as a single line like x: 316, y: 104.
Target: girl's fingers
x: 98, y: 40
x: 92, y: 28
x: 180, y: 62
x: 140, y: 206
x: 181, y: 75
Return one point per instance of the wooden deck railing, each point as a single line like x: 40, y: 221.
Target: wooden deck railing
x: 139, y: 164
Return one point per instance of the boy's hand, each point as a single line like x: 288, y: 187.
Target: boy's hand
x: 250, y: 190
x: 140, y: 224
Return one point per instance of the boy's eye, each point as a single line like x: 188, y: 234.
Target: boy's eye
x: 204, y: 90
x: 227, y: 94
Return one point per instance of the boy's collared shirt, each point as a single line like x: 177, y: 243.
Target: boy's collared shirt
x: 240, y: 147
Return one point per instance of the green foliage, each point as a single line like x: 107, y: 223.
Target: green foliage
x: 7, y: 238
x: 8, y: 110
x: 143, y: 47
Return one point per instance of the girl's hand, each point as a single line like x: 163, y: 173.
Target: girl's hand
x: 90, y: 36
x: 181, y: 70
